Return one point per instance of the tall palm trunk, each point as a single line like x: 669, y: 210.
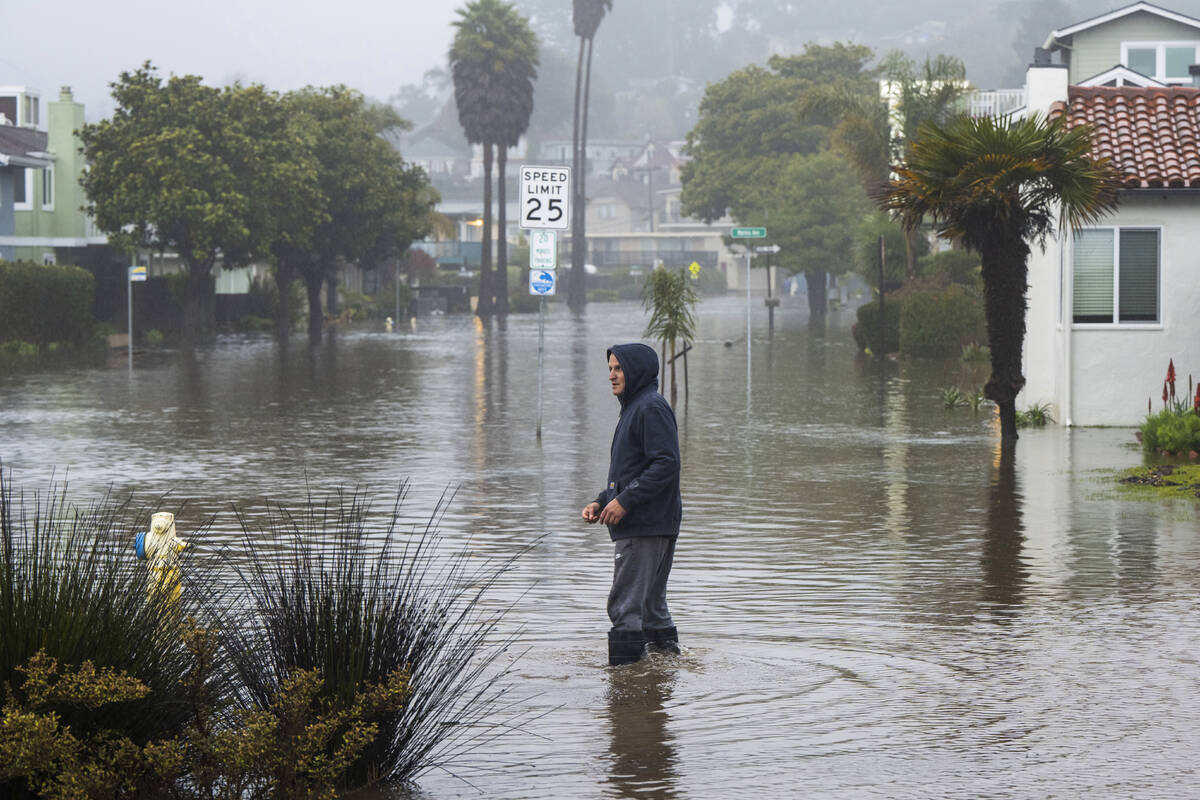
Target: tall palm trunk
x: 484, y: 308
x: 577, y: 286
x: 500, y: 283
x: 1004, y: 277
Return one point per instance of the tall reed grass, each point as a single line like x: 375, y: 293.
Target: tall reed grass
x: 71, y: 586
x: 333, y: 587
x: 328, y: 585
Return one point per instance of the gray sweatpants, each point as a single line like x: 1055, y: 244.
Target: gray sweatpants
x: 641, y: 566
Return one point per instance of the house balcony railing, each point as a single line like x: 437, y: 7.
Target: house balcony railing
x: 995, y: 102
x: 453, y: 253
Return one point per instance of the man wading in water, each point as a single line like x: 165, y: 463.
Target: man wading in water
x: 641, y: 506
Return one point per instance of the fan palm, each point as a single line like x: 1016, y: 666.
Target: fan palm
x: 518, y: 57
x: 587, y: 16
x: 671, y: 301
x: 996, y: 188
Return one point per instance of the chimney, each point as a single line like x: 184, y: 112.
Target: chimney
x: 64, y: 94
x: 1194, y: 71
x: 1045, y: 83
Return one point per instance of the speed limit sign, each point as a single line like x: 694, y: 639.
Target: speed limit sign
x: 545, y: 197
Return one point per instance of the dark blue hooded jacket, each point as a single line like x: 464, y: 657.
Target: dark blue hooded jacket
x: 643, y: 472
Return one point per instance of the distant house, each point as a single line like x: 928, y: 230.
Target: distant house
x: 50, y: 225
x: 1110, y: 306
x: 23, y: 161
x: 1145, y: 39
x: 1136, y: 45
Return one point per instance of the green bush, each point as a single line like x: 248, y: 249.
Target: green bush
x: 45, y: 303
x: 951, y: 267
x: 938, y: 323
x: 866, y: 331
x: 1172, y: 430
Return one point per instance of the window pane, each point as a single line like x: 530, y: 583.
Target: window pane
x: 1178, y: 61
x: 19, y: 185
x: 1093, y: 265
x: 1144, y: 60
x: 1139, y: 276
x: 48, y: 186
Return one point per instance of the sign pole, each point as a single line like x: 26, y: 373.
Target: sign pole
x: 129, y: 315
x: 748, y: 233
x: 541, y: 360
x: 545, y: 198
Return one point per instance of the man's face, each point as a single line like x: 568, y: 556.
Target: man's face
x: 616, y: 375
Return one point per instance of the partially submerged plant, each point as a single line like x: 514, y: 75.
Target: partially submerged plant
x: 1036, y: 416
x: 328, y: 588
x: 953, y: 397
x: 976, y: 399
x: 71, y: 587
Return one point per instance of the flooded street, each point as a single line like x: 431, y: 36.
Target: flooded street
x: 871, y: 603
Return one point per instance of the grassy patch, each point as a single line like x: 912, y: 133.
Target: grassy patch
x: 1161, y: 480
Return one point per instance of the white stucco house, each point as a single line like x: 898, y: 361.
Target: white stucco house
x: 1111, y: 305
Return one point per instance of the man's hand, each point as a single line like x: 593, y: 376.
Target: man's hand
x: 591, y: 512
x: 612, y: 513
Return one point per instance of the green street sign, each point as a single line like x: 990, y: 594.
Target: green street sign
x: 748, y: 233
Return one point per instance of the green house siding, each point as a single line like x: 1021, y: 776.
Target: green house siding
x: 66, y: 220
x: 1098, y: 49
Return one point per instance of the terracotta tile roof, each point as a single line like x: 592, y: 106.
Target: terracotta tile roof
x: 1151, y: 134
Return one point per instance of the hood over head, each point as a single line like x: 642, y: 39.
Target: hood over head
x: 639, y: 362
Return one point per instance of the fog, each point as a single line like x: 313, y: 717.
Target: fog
x: 378, y: 48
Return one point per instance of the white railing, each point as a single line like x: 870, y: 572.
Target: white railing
x: 995, y: 102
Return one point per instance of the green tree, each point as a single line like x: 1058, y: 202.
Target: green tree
x: 874, y: 133
x: 754, y: 128
x: 810, y: 211
x: 181, y: 166
x: 368, y: 205
x: 996, y: 188
x: 587, y: 16
x: 669, y: 297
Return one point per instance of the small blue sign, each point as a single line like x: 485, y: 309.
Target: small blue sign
x: 541, y: 282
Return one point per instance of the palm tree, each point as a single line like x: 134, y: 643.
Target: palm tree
x: 996, y: 188
x: 587, y: 15
x: 518, y: 57
x: 472, y: 66
x: 670, y: 299
x: 873, y: 134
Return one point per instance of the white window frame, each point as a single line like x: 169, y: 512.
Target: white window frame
x: 1160, y: 58
x: 48, y: 184
x: 1156, y: 324
x: 28, y: 204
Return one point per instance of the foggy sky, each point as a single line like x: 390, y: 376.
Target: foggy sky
x: 374, y: 46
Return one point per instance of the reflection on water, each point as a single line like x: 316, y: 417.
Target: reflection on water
x: 873, y: 603
x: 642, y: 746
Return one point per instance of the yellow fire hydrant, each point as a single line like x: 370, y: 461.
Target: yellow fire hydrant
x: 160, y: 547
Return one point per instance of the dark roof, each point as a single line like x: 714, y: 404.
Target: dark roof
x: 16, y: 141
x: 1151, y: 134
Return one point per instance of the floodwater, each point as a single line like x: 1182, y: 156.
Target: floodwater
x: 872, y: 604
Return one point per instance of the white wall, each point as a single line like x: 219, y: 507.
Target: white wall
x: 1115, y: 368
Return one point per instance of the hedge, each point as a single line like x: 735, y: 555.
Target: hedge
x: 937, y: 323
x: 45, y: 303
x: 866, y: 331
